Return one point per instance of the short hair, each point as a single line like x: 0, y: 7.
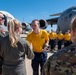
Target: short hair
x: 35, y: 20
x: 73, y: 23
x: 1, y: 13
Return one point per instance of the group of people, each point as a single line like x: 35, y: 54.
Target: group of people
x: 13, y: 49
x: 59, y: 39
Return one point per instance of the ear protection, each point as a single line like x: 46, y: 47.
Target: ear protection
x: 5, y: 18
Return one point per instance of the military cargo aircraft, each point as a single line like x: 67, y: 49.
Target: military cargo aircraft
x: 63, y: 20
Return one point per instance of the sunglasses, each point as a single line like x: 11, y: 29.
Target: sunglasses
x: 2, y: 18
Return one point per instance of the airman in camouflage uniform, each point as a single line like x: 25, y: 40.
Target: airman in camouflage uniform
x: 2, y: 34
x: 63, y: 62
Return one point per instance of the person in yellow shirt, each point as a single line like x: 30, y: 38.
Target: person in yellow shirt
x: 60, y: 38
x: 39, y: 40
x: 67, y: 38
x: 52, y: 39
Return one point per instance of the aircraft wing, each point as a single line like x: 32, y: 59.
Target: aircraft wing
x: 52, y: 20
x: 57, y: 14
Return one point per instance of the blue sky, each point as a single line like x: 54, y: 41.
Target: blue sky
x: 27, y: 10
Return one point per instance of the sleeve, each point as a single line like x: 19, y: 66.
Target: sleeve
x: 29, y: 51
x: 28, y: 38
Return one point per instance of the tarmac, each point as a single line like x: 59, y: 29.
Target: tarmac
x: 28, y: 65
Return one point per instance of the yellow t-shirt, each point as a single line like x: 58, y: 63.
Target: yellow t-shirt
x: 60, y: 36
x: 52, y: 35
x: 37, y: 40
x: 67, y: 36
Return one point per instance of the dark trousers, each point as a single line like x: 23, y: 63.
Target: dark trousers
x: 60, y: 43
x: 1, y: 60
x: 52, y: 43
x: 39, y: 59
x: 67, y: 43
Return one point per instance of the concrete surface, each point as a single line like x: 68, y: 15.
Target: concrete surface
x: 28, y: 65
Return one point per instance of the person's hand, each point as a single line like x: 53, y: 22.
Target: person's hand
x: 45, y: 47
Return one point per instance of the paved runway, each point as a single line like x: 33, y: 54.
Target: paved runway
x: 28, y: 65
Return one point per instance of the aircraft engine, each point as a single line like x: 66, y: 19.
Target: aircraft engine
x: 26, y: 26
x: 43, y: 24
x: 23, y: 25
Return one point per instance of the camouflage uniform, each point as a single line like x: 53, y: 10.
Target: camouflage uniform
x: 62, y: 62
x: 2, y: 34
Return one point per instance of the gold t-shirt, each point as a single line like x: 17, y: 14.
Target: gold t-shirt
x: 38, y: 40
